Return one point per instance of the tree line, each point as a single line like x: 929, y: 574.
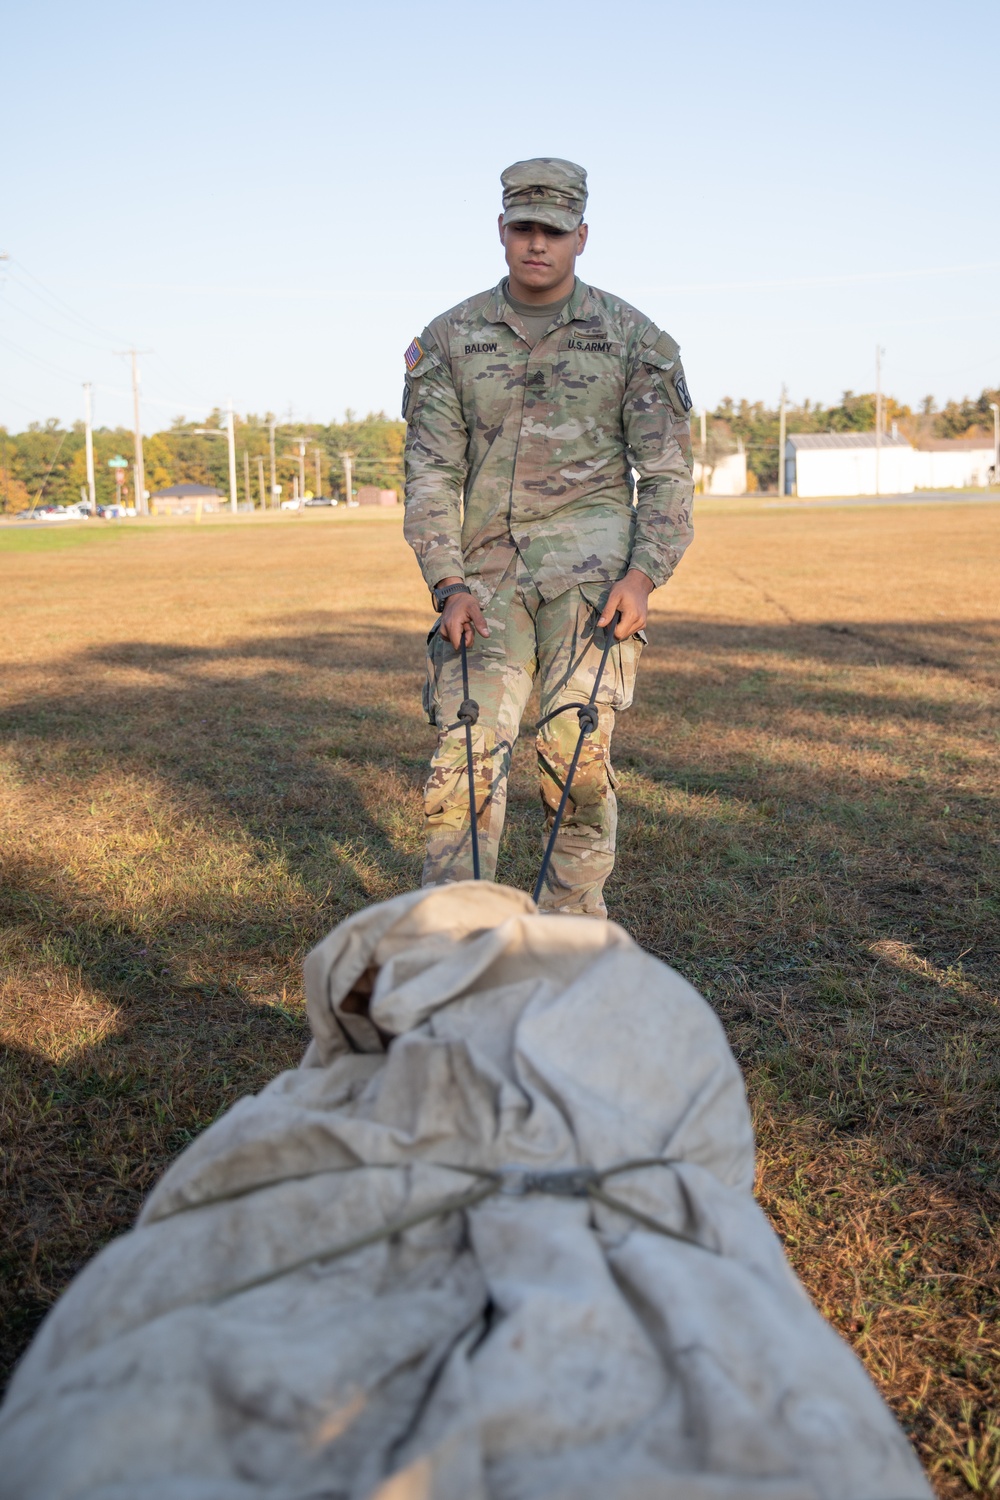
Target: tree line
x: 757, y: 425
x: 46, y: 463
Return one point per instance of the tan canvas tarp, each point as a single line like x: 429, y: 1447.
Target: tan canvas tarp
x: 532, y: 1346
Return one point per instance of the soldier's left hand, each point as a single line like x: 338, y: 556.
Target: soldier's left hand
x: 630, y: 595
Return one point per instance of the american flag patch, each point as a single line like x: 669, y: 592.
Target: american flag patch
x: 414, y: 354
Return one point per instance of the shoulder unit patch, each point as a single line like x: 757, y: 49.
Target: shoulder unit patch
x: 414, y: 355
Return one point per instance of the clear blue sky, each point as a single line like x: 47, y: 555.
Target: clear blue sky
x: 274, y: 199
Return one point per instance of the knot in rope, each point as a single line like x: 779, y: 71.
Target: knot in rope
x: 516, y: 1182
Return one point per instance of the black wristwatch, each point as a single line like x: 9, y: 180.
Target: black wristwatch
x: 440, y: 595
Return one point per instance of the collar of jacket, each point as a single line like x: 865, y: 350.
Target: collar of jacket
x: 580, y: 306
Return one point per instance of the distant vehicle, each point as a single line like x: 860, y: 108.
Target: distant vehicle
x: 115, y: 512
x: 290, y: 504
x: 321, y: 500
x: 57, y: 513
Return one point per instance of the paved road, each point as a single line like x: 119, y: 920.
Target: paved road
x: 925, y: 497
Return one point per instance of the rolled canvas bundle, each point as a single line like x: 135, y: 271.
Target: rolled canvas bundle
x: 410, y: 1269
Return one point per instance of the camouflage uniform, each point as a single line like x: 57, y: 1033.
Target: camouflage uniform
x: 519, y: 479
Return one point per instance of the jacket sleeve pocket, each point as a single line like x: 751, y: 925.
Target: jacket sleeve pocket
x: 667, y: 375
x: 414, y: 386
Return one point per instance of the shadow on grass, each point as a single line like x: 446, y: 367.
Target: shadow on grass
x: 823, y: 877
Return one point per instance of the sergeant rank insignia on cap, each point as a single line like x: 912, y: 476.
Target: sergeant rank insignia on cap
x: 414, y: 355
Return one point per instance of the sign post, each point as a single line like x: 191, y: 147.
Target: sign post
x: 119, y: 465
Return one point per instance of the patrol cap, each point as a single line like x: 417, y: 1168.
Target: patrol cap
x: 544, y: 190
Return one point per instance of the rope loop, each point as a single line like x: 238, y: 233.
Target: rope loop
x: 468, y: 714
x: 588, y: 716
x: 506, y: 1182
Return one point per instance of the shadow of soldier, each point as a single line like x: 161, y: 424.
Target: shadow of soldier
x: 799, y: 837
x: 188, y: 821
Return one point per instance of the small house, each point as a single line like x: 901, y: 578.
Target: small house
x: 183, y: 500
x: 370, y: 494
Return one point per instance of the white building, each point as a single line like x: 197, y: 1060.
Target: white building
x: 848, y: 463
x: 954, y: 464
x: 727, y: 476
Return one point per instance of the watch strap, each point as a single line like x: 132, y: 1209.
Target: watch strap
x: 440, y: 595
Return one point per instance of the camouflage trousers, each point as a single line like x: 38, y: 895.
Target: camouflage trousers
x: 559, y: 643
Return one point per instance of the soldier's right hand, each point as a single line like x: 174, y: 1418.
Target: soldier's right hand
x: 462, y: 617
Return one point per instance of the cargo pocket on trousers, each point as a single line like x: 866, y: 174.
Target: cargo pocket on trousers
x: 446, y: 791
x: 626, y: 656
x: 429, y: 692
x: 618, y: 683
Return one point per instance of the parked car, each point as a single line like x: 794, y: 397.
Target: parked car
x: 58, y: 513
x: 321, y: 500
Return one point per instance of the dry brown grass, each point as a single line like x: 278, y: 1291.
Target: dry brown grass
x: 208, y: 758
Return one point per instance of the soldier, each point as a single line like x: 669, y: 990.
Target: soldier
x: 529, y: 410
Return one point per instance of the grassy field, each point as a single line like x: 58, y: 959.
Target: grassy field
x: 211, y: 750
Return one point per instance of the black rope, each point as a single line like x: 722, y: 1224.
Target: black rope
x: 468, y: 714
x: 510, y: 1182
x: 588, y: 716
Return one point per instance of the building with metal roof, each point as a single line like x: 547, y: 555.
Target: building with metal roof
x: 848, y: 463
x: 955, y: 464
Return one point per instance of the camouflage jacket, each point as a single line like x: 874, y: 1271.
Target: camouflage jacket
x: 509, y: 447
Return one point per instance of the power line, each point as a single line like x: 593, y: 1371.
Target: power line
x: 848, y: 279
x: 193, y: 395
x: 55, y: 304
x: 48, y: 472
x: 37, y: 359
x: 45, y: 292
x: 15, y: 402
x: 59, y: 332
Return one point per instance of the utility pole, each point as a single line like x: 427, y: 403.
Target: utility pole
x: 302, y: 467
x: 91, y: 486
x: 995, y: 409
x: 246, y: 478
x: 348, y: 460
x: 138, y: 466
x: 879, y: 351
x: 319, y: 473
x: 781, y: 440
x: 227, y: 431
x: 272, y: 424
x: 260, y: 482
x: 231, y: 435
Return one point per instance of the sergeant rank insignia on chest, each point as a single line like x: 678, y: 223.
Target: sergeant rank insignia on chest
x: 414, y: 355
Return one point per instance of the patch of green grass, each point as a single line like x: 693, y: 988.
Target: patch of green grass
x: 56, y: 536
